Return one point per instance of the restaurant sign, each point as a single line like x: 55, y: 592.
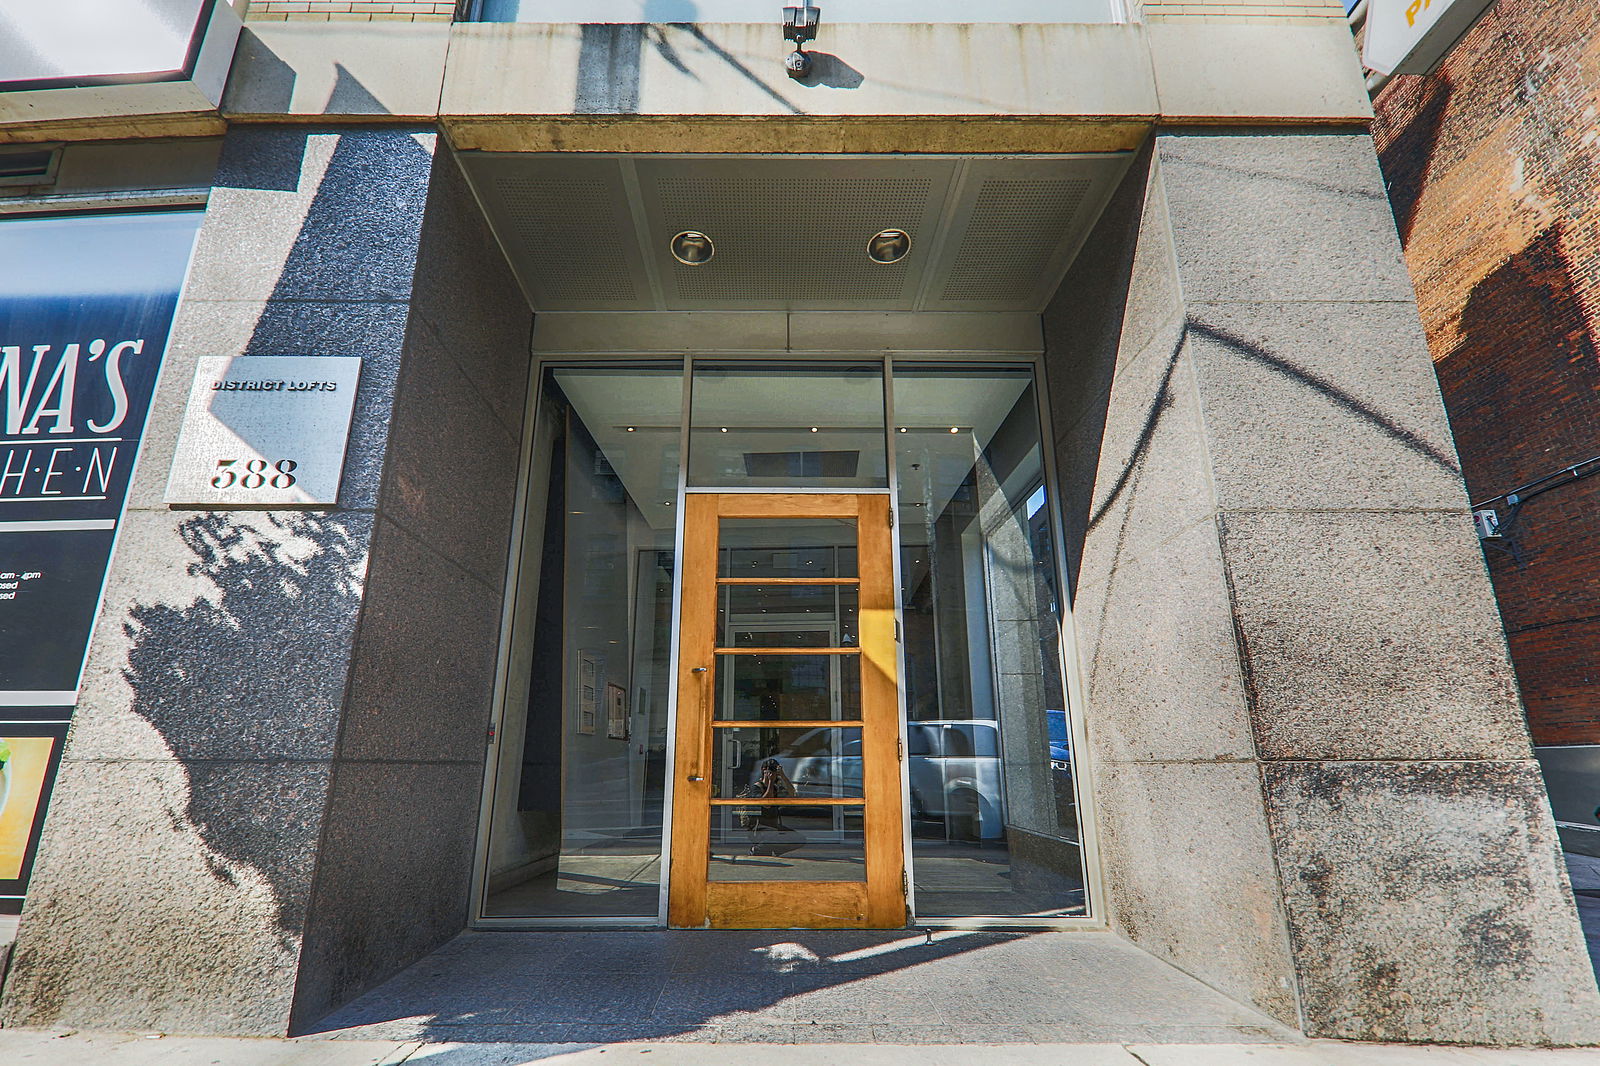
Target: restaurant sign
x: 86, y: 306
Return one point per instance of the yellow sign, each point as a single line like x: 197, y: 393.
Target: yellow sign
x: 21, y: 783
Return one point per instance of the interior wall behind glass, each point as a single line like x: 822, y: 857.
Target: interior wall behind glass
x: 994, y: 818
x: 577, y: 816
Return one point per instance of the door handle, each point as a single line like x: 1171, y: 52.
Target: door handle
x: 692, y: 777
x: 698, y: 670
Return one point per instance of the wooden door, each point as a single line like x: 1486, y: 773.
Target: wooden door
x: 787, y: 806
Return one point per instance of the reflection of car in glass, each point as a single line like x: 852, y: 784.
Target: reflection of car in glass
x: 1060, y: 745
x: 954, y: 768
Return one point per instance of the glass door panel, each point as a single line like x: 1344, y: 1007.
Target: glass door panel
x: 772, y: 685
x: 787, y: 806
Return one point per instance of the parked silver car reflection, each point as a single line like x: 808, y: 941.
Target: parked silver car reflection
x: 954, y: 767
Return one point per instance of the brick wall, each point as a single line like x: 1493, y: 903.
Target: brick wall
x: 1493, y: 166
x: 351, y: 10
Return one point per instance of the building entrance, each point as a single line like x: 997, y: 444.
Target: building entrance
x: 787, y: 807
x: 786, y: 651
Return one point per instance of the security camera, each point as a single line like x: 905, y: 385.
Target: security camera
x: 799, y: 26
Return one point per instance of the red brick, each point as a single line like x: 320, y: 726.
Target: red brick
x: 1495, y: 179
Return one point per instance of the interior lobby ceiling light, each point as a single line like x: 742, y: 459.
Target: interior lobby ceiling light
x: 692, y: 248
x: 889, y: 246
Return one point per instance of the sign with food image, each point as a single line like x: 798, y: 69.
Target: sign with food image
x: 26, y: 765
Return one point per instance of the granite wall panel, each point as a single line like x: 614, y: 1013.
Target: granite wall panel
x: 1170, y: 743
x: 396, y: 861
x: 219, y: 810
x: 1293, y: 584
x: 1429, y: 896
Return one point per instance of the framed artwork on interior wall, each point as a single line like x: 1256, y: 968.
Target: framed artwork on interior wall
x: 616, y: 712
x: 588, y: 693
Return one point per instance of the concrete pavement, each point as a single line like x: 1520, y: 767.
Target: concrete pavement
x: 34, y: 1047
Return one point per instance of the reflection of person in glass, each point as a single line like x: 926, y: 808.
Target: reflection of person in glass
x: 780, y: 839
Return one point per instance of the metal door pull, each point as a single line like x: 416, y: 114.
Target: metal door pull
x: 698, y: 670
x: 694, y: 778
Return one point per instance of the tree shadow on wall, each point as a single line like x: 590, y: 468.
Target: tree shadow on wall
x: 237, y: 683
x: 1407, y: 149
x: 1525, y: 365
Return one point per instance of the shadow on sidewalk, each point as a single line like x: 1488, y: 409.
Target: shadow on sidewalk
x: 903, y: 987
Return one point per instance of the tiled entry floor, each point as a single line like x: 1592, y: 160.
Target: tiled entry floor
x: 797, y: 987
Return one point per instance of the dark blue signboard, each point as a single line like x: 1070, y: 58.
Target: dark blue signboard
x: 86, y: 305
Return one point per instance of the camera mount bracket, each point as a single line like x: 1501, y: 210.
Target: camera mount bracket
x: 800, y: 25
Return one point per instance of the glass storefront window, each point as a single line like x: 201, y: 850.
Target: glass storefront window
x: 994, y: 818
x: 576, y: 828
x: 577, y: 820
x: 776, y: 426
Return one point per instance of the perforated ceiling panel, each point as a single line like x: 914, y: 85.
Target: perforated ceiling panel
x: 793, y: 236
x: 1014, y: 231
x: 791, y: 232
x: 1015, y: 228
x: 557, y: 220
x: 567, y: 229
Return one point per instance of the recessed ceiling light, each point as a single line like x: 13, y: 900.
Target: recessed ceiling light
x: 902, y: 429
x: 955, y: 429
x: 692, y: 248
x: 889, y: 246
x: 631, y: 428
x: 724, y: 429
x: 813, y: 429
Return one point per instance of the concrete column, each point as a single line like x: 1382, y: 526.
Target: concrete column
x: 275, y: 699
x: 1316, y: 786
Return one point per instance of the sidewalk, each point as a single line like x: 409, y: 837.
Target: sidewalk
x: 31, y: 1047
